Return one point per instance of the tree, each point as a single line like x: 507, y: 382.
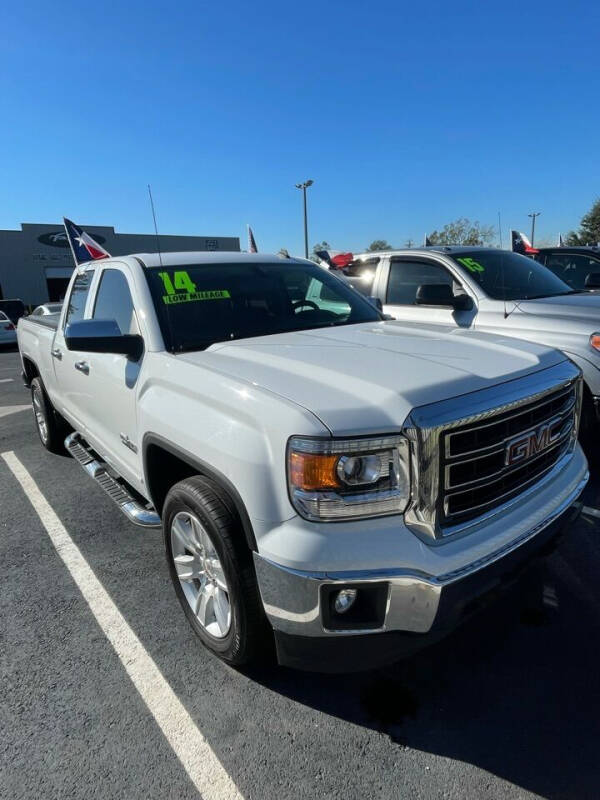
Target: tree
x: 379, y: 244
x: 319, y: 246
x: 589, y: 230
x: 463, y: 231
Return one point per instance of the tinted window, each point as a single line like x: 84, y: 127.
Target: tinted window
x: 407, y: 276
x: 510, y: 276
x: 78, y: 297
x: 200, y: 304
x: 573, y: 268
x: 14, y: 309
x: 113, y: 301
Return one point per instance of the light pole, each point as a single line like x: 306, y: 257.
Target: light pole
x: 304, y: 186
x: 533, y: 215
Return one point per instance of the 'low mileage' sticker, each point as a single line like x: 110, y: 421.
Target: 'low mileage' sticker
x: 180, y: 288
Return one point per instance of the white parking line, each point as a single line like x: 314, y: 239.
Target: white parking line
x: 6, y: 410
x: 6, y: 380
x: 591, y: 512
x: 191, y: 748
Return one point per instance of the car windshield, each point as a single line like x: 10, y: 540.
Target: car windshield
x: 200, y: 304
x: 510, y: 276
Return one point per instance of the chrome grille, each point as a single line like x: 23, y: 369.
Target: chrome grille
x: 476, y: 475
x: 475, y: 454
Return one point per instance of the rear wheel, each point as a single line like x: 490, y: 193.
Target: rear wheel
x: 50, y: 426
x: 212, y: 571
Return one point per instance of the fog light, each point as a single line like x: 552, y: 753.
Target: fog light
x: 344, y: 600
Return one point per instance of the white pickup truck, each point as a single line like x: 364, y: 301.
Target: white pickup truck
x: 340, y: 485
x: 485, y: 289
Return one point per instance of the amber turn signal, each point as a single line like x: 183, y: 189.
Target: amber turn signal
x: 310, y: 471
x: 595, y: 341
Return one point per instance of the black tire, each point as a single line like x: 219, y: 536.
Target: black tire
x: 589, y: 429
x: 249, y: 638
x: 53, y: 430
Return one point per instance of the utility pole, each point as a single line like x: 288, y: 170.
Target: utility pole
x: 304, y: 186
x: 533, y: 215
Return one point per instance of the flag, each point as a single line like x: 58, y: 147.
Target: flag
x: 252, y: 248
x: 334, y: 259
x: 83, y: 247
x: 426, y: 241
x: 519, y: 243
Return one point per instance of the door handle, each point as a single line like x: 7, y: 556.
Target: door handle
x: 83, y: 366
x: 57, y: 353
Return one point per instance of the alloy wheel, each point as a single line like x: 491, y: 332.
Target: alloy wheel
x: 201, y: 574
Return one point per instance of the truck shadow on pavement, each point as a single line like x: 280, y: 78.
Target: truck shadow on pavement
x: 515, y: 691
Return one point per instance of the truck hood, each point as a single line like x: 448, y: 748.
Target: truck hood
x: 367, y: 378
x: 580, y: 311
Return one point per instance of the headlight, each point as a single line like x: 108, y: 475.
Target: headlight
x: 348, y: 478
x: 595, y: 341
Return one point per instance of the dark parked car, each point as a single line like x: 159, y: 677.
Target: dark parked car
x: 577, y: 266
x: 14, y: 309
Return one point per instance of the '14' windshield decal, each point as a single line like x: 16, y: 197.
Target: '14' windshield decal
x: 180, y: 288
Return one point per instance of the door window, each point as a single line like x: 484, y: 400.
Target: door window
x: 113, y: 301
x: 407, y: 276
x: 79, y: 296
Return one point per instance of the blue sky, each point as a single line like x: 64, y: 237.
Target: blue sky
x: 405, y: 115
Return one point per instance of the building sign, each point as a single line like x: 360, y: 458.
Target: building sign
x: 59, y: 239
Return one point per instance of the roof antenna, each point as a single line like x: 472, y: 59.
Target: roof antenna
x: 155, y: 226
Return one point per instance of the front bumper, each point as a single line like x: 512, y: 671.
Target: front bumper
x: 415, y: 609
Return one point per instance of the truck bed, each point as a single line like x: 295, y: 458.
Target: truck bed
x: 48, y: 321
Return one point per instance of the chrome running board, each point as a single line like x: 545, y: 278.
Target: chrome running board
x: 134, y: 511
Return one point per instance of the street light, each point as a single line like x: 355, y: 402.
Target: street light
x: 304, y: 186
x: 533, y: 215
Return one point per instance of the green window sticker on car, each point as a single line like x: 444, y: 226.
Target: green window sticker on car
x: 471, y: 264
x: 193, y: 297
x: 180, y: 288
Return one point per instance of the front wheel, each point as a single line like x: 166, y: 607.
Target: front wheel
x: 589, y: 429
x: 212, y: 571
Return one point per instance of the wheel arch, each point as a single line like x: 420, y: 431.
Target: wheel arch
x: 165, y: 464
x: 30, y: 370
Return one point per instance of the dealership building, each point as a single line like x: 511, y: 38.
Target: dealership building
x: 36, y: 262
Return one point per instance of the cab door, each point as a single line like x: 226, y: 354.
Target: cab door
x: 112, y: 416
x: 70, y: 367
x: 404, y: 276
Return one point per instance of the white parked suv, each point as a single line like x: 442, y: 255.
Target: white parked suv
x: 326, y: 480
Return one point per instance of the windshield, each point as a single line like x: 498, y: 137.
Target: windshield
x: 510, y: 276
x: 200, y: 304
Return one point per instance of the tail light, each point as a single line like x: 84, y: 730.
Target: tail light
x: 9, y: 327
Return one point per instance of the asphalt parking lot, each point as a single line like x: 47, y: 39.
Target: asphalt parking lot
x: 509, y: 706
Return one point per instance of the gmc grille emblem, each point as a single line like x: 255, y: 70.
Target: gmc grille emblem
x: 527, y: 445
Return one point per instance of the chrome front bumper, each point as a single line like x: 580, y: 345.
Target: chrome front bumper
x: 292, y: 599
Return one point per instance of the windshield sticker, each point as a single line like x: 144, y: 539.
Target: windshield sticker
x: 181, y: 280
x: 471, y: 264
x: 192, y: 297
x: 180, y: 288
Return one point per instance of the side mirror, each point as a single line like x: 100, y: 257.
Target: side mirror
x: 376, y: 302
x: 102, y: 336
x: 440, y: 294
x: 593, y: 281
